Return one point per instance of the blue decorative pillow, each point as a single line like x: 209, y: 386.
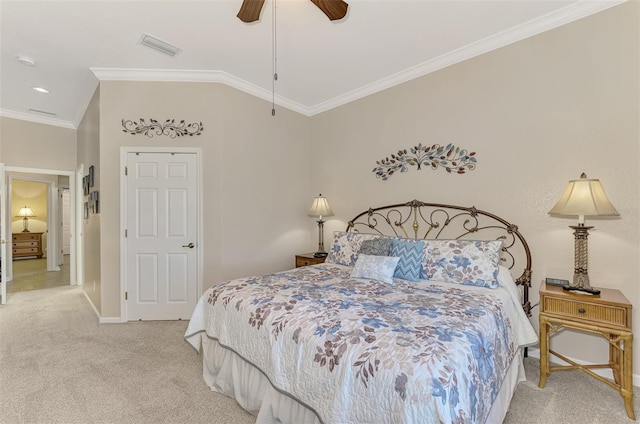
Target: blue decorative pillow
x: 379, y: 268
x: 410, y: 254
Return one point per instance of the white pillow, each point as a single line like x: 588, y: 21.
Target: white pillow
x: 379, y: 268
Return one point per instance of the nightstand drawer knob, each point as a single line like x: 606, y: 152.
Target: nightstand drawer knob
x: 581, y: 310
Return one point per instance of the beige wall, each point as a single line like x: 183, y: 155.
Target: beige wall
x: 255, y: 176
x: 88, y: 155
x: 38, y: 146
x: 32, y: 145
x: 538, y: 113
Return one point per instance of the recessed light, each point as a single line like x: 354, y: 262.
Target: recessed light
x: 40, y: 90
x: 44, y: 112
x: 26, y: 61
x: 159, y: 45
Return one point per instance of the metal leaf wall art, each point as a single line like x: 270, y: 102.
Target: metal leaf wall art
x: 169, y: 128
x: 451, y: 158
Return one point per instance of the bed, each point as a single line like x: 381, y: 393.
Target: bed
x: 419, y: 314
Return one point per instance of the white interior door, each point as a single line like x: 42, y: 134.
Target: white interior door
x: 161, y: 235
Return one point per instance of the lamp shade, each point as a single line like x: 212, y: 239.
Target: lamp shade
x: 320, y: 207
x: 25, y: 212
x: 584, y: 197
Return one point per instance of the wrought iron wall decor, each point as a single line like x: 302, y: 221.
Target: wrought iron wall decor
x: 169, y: 127
x: 453, y: 159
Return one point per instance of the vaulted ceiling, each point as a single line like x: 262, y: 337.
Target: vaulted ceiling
x: 320, y: 63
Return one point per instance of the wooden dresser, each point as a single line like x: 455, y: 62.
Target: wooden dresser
x: 27, y: 244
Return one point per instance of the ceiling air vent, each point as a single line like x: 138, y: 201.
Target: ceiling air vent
x: 159, y: 45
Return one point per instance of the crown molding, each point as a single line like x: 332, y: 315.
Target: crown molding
x: 37, y: 119
x: 180, y: 75
x: 563, y: 16
x: 570, y: 13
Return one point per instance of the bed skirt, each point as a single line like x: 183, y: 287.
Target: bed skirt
x: 226, y: 372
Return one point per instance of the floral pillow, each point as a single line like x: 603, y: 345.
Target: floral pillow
x: 379, y: 268
x: 468, y: 262
x: 346, y: 246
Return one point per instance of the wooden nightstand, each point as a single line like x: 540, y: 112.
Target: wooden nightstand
x: 607, y: 314
x: 305, y: 259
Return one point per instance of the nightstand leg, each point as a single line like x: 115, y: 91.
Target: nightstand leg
x: 544, y: 352
x: 615, y: 358
x: 626, y: 389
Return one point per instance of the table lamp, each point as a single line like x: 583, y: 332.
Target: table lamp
x: 319, y: 208
x: 25, y: 213
x: 583, y: 197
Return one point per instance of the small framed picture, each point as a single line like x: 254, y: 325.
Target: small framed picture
x: 93, y: 202
x: 91, y: 176
x: 96, y: 202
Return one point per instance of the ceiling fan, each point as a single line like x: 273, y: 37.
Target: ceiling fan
x: 334, y: 9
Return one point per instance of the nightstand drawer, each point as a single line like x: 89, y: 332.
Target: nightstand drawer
x: 307, y: 259
x: 25, y: 244
x: 22, y: 251
x: 605, y: 314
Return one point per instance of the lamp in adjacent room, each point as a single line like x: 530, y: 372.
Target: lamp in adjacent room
x: 25, y: 213
x: 319, y: 208
x: 583, y: 197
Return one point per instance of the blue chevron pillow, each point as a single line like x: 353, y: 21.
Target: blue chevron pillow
x: 410, y: 254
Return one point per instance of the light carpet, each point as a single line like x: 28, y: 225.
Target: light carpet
x: 59, y: 365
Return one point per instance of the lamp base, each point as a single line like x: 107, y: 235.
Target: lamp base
x: 26, y: 231
x: 320, y: 254
x: 582, y: 289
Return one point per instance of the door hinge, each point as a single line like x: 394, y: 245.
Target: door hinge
x: 126, y: 295
x: 126, y: 171
x: 126, y: 232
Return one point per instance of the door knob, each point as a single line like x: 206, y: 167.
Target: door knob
x: 190, y: 245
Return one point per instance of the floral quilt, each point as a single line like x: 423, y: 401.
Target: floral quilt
x: 362, y: 351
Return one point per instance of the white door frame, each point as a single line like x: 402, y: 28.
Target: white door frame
x: 124, y: 151
x: 77, y: 225
x: 3, y: 238
x: 52, y: 212
x: 61, y: 191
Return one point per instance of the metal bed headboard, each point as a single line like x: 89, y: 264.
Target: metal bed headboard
x: 421, y: 220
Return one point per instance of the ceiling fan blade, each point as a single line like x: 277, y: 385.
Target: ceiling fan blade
x: 334, y: 9
x: 250, y: 10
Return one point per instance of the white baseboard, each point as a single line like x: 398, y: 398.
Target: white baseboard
x: 111, y: 320
x: 91, y: 303
x: 102, y: 320
x: 602, y: 372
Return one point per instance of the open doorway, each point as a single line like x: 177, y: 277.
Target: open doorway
x: 28, y: 215
x: 40, y: 219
